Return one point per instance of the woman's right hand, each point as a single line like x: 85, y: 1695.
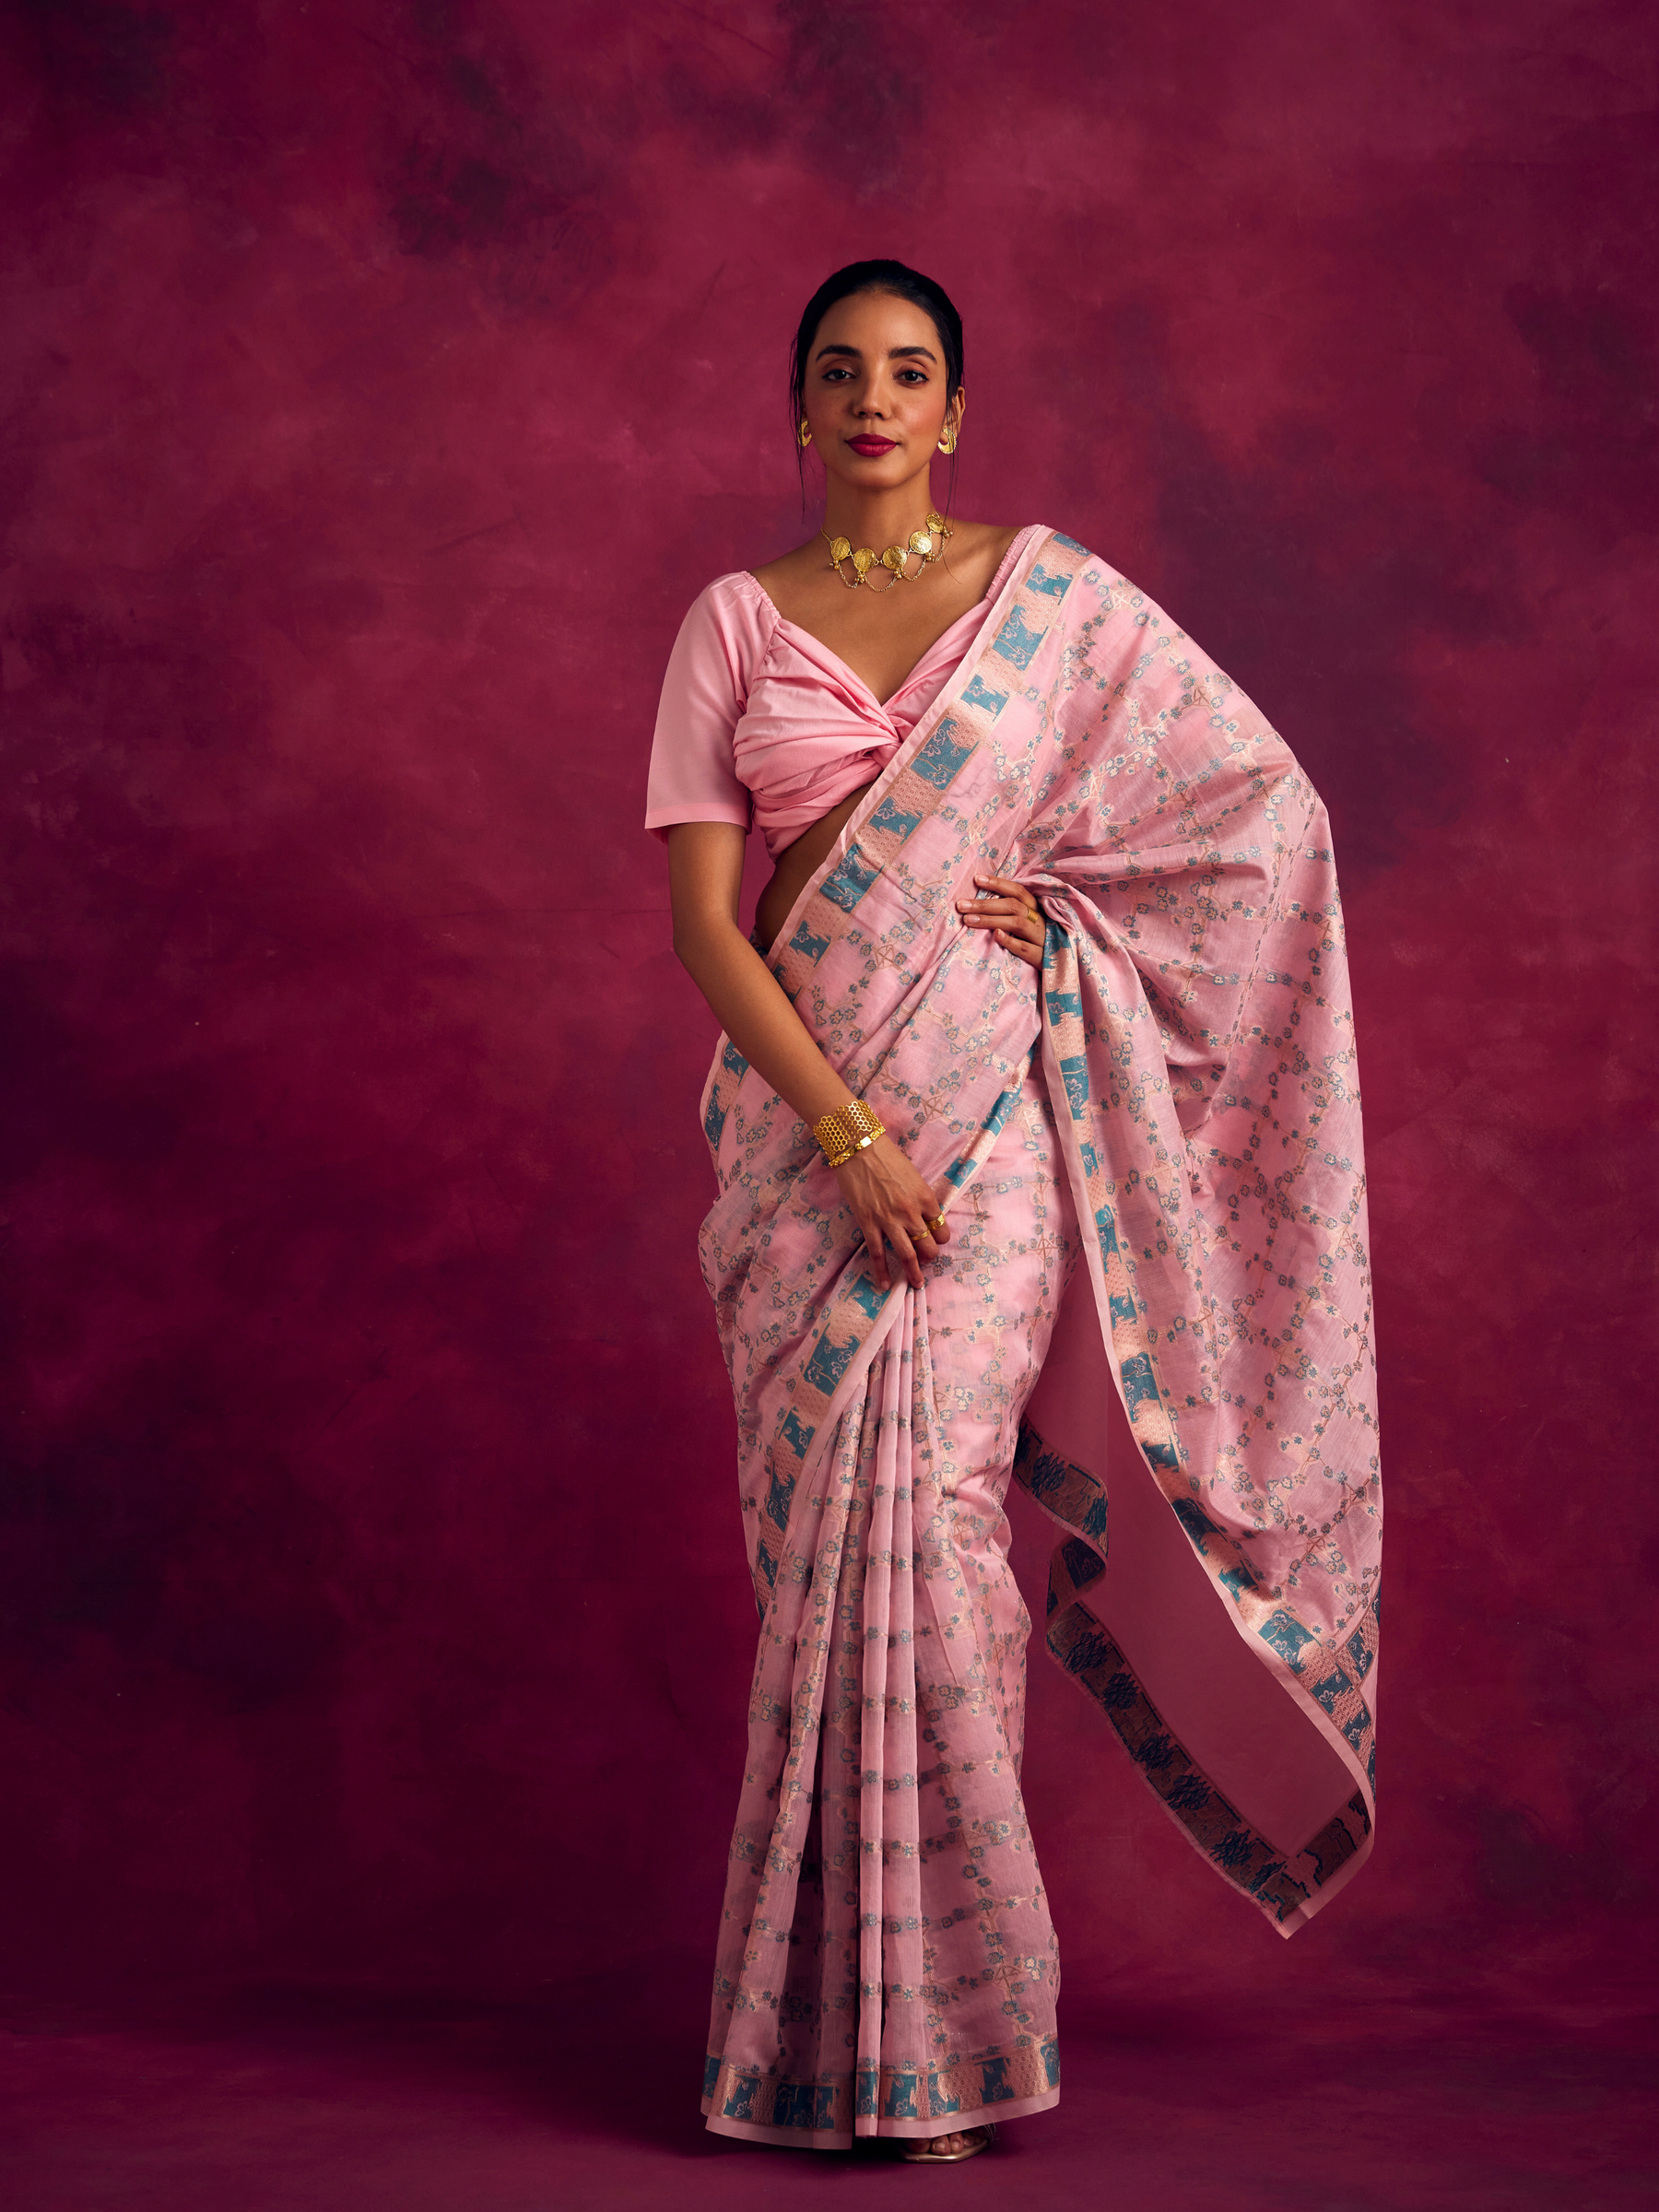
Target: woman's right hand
x: 889, y: 1199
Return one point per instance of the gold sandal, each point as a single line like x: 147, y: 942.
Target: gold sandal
x: 986, y: 2132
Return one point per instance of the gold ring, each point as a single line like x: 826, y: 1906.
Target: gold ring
x: 919, y: 1236
x: 937, y: 1222
x: 1033, y: 913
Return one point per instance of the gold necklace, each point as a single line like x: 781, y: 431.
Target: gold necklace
x: 924, y: 546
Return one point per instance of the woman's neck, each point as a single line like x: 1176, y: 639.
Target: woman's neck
x: 877, y: 519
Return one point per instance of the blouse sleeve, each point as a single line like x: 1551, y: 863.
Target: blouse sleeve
x: 692, y: 776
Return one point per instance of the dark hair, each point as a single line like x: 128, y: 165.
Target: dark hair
x: 903, y: 283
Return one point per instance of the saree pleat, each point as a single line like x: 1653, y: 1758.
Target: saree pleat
x: 887, y: 1964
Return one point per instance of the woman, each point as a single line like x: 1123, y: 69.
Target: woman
x: 1052, y: 937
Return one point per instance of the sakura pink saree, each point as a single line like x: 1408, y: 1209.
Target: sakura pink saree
x: 1157, y: 1199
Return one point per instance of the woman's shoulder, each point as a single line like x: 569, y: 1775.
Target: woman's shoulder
x: 724, y: 635
x: 737, y: 589
x: 733, y: 607
x: 773, y: 578
x: 1040, y: 542
x: 987, y: 553
x: 1031, y: 535
x: 989, y: 537
x: 995, y: 543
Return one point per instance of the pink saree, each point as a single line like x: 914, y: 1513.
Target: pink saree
x: 1173, y: 1104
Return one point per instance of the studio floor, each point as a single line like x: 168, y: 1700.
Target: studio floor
x: 284, y: 2100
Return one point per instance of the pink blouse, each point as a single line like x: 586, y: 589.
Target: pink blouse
x: 760, y: 722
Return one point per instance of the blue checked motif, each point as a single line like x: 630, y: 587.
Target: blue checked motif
x: 804, y: 2104
x: 1015, y: 642
x: 938, y: 2098
x: 1051, y: 587
x: 980, y: 694
x: 829, y: 1363
x: 1140, y: 1388
x: 1358, y: 1728
x: 1330, y: 1690
x: 795, y: 1433
x: 999, y: 1113
x: 942, y: 758
x: 1083, y: 1563
x: 1195, y: 1519
x: 901, y: 2097
x: 1287, y: 1638
x: 739, y: 2105
x: 778, y: 1497
x: 890, y: 817
x: 850, y: 881
x: 997, y: 2085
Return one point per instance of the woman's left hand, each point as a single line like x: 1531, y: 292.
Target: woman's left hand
x: 1010, y: 912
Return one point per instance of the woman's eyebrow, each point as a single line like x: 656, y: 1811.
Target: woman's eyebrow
x: 895, y: 353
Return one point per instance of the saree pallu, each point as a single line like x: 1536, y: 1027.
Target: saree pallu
x: 1181, y: 1083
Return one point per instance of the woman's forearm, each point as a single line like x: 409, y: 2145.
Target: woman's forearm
x: 749, y: 1005
x: 895, y: 1209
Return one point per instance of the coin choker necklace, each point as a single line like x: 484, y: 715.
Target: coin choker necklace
x: 923, y: 547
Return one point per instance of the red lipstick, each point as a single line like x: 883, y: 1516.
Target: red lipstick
x: 872, y: 447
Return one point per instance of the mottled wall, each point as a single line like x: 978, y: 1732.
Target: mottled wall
x: 381, y: 383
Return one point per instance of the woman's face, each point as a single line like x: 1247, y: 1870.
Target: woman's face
x: 874, y: 391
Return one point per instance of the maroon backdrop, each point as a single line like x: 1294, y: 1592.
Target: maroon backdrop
x: 380, y: 384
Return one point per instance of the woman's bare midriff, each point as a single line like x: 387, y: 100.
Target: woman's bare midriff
x: 797, y: 862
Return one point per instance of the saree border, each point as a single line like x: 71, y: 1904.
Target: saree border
x: 1272, y: 1629
x: 894, y: 2100
x: 1288, y: 1886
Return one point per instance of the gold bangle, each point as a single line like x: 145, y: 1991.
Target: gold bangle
x: 848, y: 1130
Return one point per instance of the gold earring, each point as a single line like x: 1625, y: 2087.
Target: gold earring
x: 804, y: 432
x: 948, y: 444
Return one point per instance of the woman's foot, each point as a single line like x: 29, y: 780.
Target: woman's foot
x: 943, y: 2150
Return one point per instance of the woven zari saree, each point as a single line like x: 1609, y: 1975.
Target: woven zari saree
x: 1157, y: 1214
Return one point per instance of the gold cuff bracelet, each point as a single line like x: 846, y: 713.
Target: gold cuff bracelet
x: 846, y: 1130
